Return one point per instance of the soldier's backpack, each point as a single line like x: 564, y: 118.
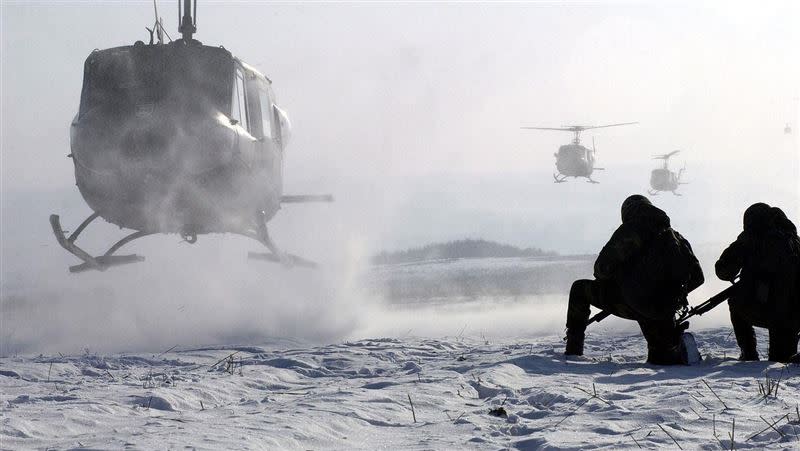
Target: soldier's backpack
x: 667, y: 260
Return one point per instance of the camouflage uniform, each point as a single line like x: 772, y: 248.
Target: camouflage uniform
x: 625, y: 292
x: 766, y: 256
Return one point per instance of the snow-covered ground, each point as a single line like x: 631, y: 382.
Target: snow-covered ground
x: 489, y: 339
x: 358, y: 395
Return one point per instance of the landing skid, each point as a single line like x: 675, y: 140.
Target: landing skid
x: 591, y: 181
x: 102, y: 262
x: 276, y: 255
x: 559, y: 180
x: 286, y: 259
x: 108, y: 259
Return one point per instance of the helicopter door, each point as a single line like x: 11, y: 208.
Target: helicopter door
x: 265, y: 108
x: 253, y: 94
x: 267, y: 150
x: 243, y: 115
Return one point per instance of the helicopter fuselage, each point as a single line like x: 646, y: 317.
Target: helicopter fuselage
x: 664, y: 180
x: 575, y: 160
x: 178, y: 138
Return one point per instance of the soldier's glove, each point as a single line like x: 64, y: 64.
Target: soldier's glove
x: 683, y: 310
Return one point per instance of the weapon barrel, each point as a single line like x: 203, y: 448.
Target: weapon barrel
x: 705, y: 307
x: 711, y: 303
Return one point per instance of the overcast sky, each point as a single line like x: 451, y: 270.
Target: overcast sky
x: 410, y: 113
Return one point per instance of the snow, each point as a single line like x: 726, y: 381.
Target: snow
x: 457, y: 350
x: 355, y: 395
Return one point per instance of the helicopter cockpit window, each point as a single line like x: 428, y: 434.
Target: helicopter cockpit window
x: 238, y: 104
x: 266, y: 113
x: 131, y: 80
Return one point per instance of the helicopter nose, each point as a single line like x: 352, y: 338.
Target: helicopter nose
x: 146, y: 142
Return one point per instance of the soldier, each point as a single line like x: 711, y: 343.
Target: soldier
x: 643, y: 273
x: 766, y: 257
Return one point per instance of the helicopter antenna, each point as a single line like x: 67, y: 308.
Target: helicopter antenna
x: 577, y: 129
x: 187, y: 25
x: 159, y: 30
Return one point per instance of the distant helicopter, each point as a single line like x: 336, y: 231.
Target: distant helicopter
x: 662, y: 179
x: 178, y: 137
x: 575, y: 160
x: 787, y: 130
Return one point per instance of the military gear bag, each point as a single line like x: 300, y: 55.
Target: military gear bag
x: 657, y: 282
x: 667, y: 260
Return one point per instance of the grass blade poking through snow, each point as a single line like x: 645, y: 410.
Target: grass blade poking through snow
x: 670, y: 436
x: 715, y: 394
x: 413, y: 414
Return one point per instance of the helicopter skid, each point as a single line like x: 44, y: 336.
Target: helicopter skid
x: 285, y: 259
x: 106, y: 261
x: 652, y: 193
x: 559, y: 180
x: 275, y: 255
x: 100, y: 263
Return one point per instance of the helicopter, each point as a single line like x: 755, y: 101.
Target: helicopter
x: 787, y: 130
x: 575, y: 160
x: 662, y: 179
x: 178, y: 137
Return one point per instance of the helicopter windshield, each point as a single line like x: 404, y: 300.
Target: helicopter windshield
x: 126, y: 79
x: 573, y: 151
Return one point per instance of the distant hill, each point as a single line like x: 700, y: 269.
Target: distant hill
x: 459, y: 249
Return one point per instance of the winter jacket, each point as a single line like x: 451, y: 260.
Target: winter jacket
x: 766, y: 256
x: 621, y: 261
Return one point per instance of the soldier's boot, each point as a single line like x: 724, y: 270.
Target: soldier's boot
x: 782, y: 345
x: 747, y: 344
x: 664, y: 345
x: 578, y: 309
x: 574, y: 343
x: 663, y: 354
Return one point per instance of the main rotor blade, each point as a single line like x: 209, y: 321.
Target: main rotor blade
x: 550, y: 128
x: 666, y: 156
x: 577, y: 128
x: 604, y: 126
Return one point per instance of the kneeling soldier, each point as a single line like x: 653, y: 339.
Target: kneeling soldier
x: 766, y: 256
x: 643, y: 273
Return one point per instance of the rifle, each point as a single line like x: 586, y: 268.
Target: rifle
x: 705, y: 307
x: 710, y: 304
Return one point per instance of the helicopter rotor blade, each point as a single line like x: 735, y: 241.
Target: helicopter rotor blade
x: 584, y: 127
x: 549, y: 128
x: 666, y: 156
x: 578, y: 128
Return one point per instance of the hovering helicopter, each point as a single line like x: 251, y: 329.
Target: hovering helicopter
x: 662, y: 179
x: 787, y: 130
x: 575, y: 160
x: 178, y: 137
